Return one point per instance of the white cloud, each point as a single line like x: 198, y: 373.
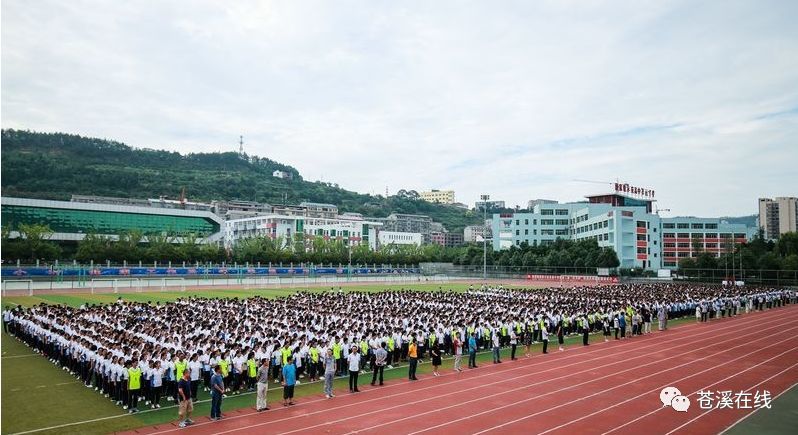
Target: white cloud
x: 695, y: 100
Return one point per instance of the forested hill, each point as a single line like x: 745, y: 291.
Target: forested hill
x: 56, y: 166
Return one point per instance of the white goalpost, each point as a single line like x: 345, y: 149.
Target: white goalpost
x: 163, y: 283
x: 15, y: 285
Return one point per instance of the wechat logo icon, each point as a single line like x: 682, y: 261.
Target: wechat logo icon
x: 671, y: 396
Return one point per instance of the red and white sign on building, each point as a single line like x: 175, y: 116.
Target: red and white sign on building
x: 634, y: 190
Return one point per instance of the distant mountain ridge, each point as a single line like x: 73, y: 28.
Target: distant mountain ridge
x: 58, y: 165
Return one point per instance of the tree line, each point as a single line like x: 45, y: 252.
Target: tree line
x: 758, y: 254
x: 135, y: 246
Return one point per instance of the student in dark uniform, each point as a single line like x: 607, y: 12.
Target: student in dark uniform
x: 585, y: 331
x: 544, y: 335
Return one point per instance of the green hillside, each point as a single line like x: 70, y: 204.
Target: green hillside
x: 56, y: 166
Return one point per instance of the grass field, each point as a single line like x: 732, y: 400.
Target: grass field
x: 76, y: 300
x: 37, y: 396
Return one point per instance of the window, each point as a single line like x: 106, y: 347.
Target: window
x: 670, y: 264
x: 712, y: 226
x: 526, y: 221
x: 547, y: 212
x: 526, y: 232
x: 517, y: 232
x: 697, y: 226
x: 668, y: 226
x: 683, y: 245
x: 683, y: 226
x: 697, y: 236
x: 683, y: 235
x: 712, y: 245
x: 547, y: 232
x: 547, y: 221
x: 641, y: 250
x: 739, y: 236
x: 668, y: 235
x: 711, y: 235
x: 562, y: 212
x: 561, y: 232
x: 561, y: 222
x: 518, y: 222
x: 684, y: 254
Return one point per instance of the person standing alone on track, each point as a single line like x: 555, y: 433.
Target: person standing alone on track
x: 380, y: 356
x: 458, y: 352
x: 435, y: 357
x: 185, y: 405
x: 472, y: 352
x: 513, y: 343
x: 585, y: 331
x: 329, y: 373
x: 263, y: 385
x: 496, y: 348
x: 354, y: 368
x: 412, y: 356
x: 289, y: 381
x: 217, y: 390
x: 544, y: 336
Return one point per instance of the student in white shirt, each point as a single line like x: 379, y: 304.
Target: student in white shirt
x: 194, y: 367
x: 353, y: 360
x: 156, y: 376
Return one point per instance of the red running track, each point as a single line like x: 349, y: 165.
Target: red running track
x: 605, y: 387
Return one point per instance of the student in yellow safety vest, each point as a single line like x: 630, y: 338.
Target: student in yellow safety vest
x: 338, y: 356
x: 314, y: 360
x: 364, y: 352
x: 390, y: 345
x: 252, y: 371
x: 224, y: 365
x: 133, y: 386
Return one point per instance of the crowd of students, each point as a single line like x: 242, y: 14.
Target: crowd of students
x: 166, y: 352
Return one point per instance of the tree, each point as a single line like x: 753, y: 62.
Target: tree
x: 687, y: 266
x: 790, y: 263
x: 34, y: 243
x: 93, y: 247
x: 608, y: 258
x: 706, y: 260
x: 787, y: 244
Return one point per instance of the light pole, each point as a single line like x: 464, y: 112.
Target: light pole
x: 484, y: 199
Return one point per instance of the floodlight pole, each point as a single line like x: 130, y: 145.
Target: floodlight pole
x: 484, y: 199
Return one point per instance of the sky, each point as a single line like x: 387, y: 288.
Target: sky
x: 516, y: 99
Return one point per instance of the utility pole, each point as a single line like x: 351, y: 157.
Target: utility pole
x: 484, y: 199
x: 241, y: 145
